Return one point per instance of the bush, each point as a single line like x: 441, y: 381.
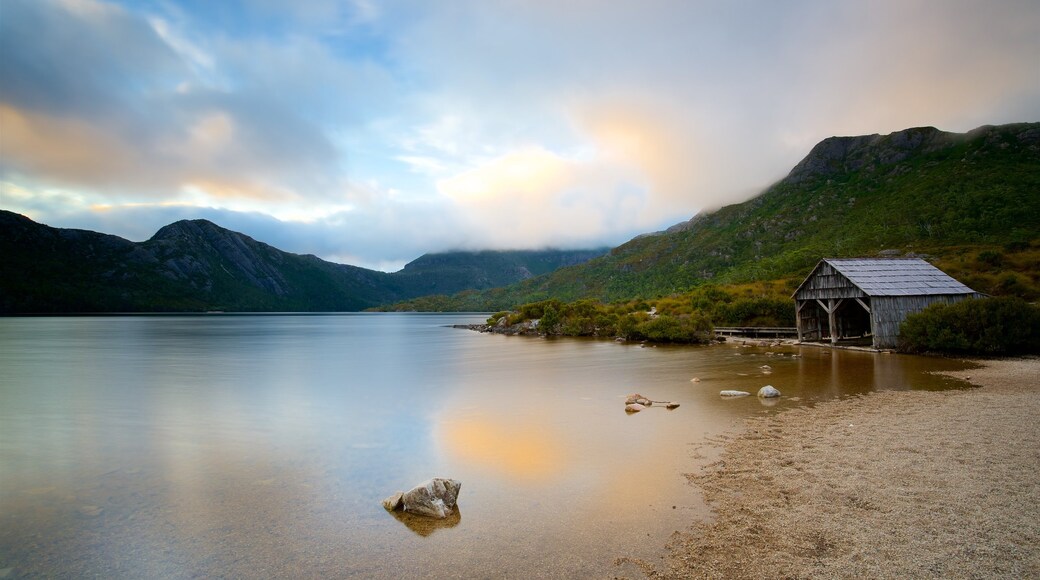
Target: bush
x: 687, y: 328
x: 988, y: 326
x: 550, y: 320
x: 758, y: 311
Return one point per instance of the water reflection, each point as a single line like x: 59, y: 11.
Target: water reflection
x: 262, y: 445
x: 514, y: 448
x: 424, y: 526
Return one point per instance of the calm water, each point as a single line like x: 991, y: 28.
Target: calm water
x: 258, y: 446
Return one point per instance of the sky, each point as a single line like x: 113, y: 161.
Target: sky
x: 370, y: 133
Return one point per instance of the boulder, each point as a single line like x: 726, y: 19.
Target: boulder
x: 634, y: 408
x: 768, y: 392
x: 734, y: 393
x: 434, y: 498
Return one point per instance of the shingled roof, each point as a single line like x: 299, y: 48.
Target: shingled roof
x: 897, y: 276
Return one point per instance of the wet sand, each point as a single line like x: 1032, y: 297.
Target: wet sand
x: 890, y: 484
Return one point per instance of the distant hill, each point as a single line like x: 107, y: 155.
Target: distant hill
x: 197, y: 265
x: 917, y: 190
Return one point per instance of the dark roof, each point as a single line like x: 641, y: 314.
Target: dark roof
x: 897, y: 276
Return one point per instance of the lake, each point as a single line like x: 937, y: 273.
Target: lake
x: 261, y: 445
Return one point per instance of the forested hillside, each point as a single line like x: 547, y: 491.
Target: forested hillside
x: 969, y: 201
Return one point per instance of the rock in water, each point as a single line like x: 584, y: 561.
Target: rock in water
x: 637, y: 399
x: 434, y: 498
x: 393, y: 502
x: 634, y: 408
x: 768, y: 392
x: 734, y: 393
x: 672, y: 405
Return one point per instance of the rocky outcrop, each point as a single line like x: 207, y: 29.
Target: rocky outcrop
x: 837, y: 155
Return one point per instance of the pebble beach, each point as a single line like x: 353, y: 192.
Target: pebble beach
x: 907, y: 484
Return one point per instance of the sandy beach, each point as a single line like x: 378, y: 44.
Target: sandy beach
x: 893, y: 484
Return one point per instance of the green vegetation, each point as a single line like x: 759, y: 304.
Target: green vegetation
x: 685, y: 318
x: 988, y: 326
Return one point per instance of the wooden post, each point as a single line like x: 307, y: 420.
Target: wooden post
x: 833, y: 320
x: 798, y: 318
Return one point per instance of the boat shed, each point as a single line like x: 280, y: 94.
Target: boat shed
x: 860, y: 298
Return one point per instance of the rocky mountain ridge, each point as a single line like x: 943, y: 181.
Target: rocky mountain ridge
x: 196, y: 265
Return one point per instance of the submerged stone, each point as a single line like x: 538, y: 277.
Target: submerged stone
x: 734, y: 393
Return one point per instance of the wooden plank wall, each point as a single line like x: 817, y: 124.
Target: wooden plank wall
x: 825, y: 283
x: 888, y: 312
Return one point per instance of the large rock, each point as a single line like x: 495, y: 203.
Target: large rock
x: 768, y: 392
x: 434, y: 498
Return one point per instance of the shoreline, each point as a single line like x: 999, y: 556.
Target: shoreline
x: 888, y: 484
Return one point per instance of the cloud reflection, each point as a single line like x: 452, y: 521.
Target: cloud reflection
x: 525, y: 448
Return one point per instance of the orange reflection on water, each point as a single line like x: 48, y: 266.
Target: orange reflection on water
x: 521, y: 448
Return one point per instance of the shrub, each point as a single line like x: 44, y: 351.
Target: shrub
x: 758, y: 311
x: 988, y: 326
x: 686, y: 328
x: 550, y: 320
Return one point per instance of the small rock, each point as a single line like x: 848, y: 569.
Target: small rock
x: 734, y: 393
x: 766, y: 367
x: 672, y: 405
x: 638, y: 399
x: 434, y: 498
x: 634, y: 408
x: 393, y: 502
x: 768, y: 392
x: 695, y: 380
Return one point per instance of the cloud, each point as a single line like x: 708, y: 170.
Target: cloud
x: 377, y: 132
x: 111, y: 108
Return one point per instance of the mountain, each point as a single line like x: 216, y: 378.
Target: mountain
x: 917, y: 190
x: 197, y: 265
x: 451, y: 272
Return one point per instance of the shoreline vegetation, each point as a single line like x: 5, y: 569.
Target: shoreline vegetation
x: 888, y: 484
x: 686, y: 319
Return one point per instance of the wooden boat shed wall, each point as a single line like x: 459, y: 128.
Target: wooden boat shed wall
x: 861, y: 297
